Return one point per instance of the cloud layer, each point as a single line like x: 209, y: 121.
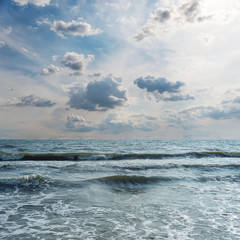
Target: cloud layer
x: 189, y: 12
x: 30, y: 101
x: 112, y: 124
x: 40, y: 3
x: 98, y: 95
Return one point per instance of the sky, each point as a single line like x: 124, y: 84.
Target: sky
x: 126, y: 69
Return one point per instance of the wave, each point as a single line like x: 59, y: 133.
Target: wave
x: 131, y: 179
x: 202, y: 167
x: 8, y: 146
x: 110, y: 156
x: 32, y: 181
x: 228, y: 178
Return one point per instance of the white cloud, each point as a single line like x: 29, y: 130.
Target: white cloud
x: 40, y: 3
x: 206, y: 39
x: 167, y: 20
x: 77, y: 62
x: 2, y: 44
x: 74, y: 28
x: 71, y: 60
x: 50, y: 70
x: 8, y: 30
x: 55, y: 57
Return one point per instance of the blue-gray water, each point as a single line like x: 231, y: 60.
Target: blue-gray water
x: 92, y: 189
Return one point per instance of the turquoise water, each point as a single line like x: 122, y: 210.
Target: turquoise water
x: 137, y: 189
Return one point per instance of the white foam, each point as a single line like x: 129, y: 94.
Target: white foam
x: 13, y: 157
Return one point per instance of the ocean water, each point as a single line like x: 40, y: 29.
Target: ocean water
x: 109, y: 189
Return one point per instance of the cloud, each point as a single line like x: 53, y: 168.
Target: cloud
x: 76, y: 62
x: 178, y: 98
x: 71, y: 60
x: 161, y: 15
x: 160, y: 87
x: 187, y: 118
x: 8, y: 30
x: 40, y: 3
x: 94, y: 75
x: 50, y: 70
x: 79, y: 124
x: 163, y: 20
x: 190, y: 11
x: 30, y: 101
x: 98, y: 95
x: 112, y: 124
x: 2, y: 43
x: 74, y: 28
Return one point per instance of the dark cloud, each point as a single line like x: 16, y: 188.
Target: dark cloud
x: 145, y: 32
x: 161, y: 15
x: 162, y: 89
x: 190, y: 10
x: 30, y: 101
x: 74, y: 28
x: 98, y: 95
x: 76, y: 62
x: 160, y: 85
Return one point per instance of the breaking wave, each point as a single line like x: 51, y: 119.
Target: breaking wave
x: 110, y: 156
x: 32, y: 181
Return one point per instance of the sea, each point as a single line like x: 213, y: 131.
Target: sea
x: 120, y: 189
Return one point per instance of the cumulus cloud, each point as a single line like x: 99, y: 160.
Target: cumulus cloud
x: 74, y: 28
x: 40, y: 3
x: 161, y: 86
x: 98, y: 95
x: 30, y: 101
x: 163, y: 19
x: 76, y: 62
x: 50, y: 70
x: 79, y: 124
x: 112, y: 124
x: 71, y: 60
